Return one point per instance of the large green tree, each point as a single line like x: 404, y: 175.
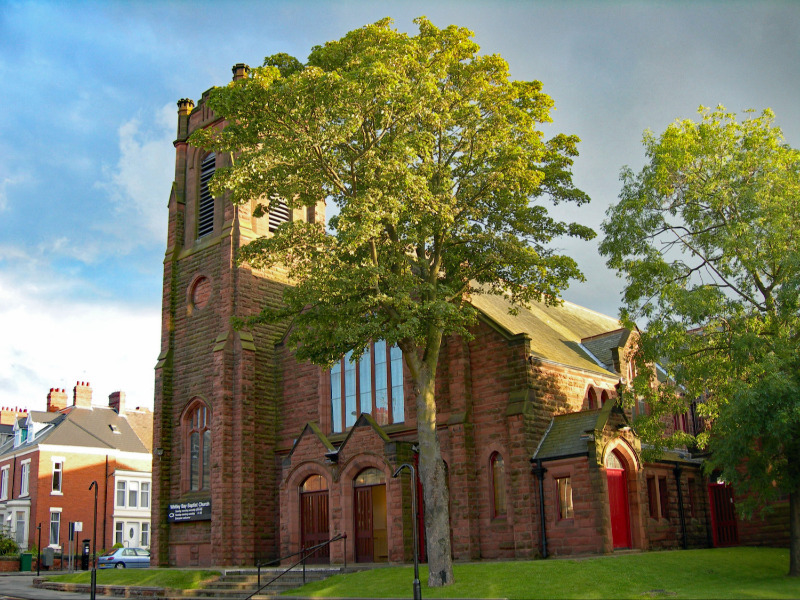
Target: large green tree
x: 708, y: 238
x: 439, y: 171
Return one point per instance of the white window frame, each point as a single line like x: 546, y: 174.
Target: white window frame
x: 24, y: 477
x: 144, y: 534
x: 4, y: 482
x: 133, y: 494
x: 124, y: 485
x: 56, y: 543
x: 144, y: 492
x: 58, y: 467
x: 119, y: 532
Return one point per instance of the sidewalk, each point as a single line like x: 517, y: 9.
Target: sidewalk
x: 20, y: 586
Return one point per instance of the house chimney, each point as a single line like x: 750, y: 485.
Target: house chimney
x: 240, y: 71
x: 116, y: 401
x: 8, y: 415
x: 56, y: 400
x: 82, y: 395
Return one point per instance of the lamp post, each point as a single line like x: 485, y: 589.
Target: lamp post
x: 93, y: 589
x: 39, y: 551
x: 416, y: 586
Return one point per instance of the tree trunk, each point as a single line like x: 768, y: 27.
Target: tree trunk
x: 433, y: 477
x: 794, y: 533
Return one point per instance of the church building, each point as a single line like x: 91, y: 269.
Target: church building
x: 257, y: 455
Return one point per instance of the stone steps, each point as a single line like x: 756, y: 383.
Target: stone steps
x: 237, y: 584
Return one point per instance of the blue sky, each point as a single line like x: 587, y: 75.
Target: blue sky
x: 88, y: 116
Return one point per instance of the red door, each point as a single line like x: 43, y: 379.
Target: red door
x: 618, y: 503
x: 314, y: 524
x: 364, y: 545
x: 723, y: 515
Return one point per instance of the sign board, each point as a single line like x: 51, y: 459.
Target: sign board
x: 199, y: 510
x: 78, y: 525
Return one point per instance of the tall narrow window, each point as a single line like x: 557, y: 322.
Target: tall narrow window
x: 652, y: 497
x: 498, y: 474
x: 55, y: 527
x: 198, y: 439
x: 23, y: 482
x: 133, y: 494
x: 205, y: 206
x: 122, y: 492
x: 4, y: 483
x: 145, y: 535
x: 373, y: 385
x: 118, y: 532
x: 58, y: 471
x: 565, y: 509
x: 144, y: 495
x: 663, y: 496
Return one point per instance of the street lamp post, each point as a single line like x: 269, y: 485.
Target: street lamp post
x: 416, y: 586
x: 93, y: 592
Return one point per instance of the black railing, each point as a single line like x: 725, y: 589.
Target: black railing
x: 303, y: 554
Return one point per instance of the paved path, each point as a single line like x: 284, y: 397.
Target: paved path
x: 20, y: 587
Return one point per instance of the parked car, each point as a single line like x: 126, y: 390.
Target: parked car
x: 121, y: 558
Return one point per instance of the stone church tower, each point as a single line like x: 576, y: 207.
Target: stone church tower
x: 217, y: 406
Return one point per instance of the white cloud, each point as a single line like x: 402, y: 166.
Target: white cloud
x: 139, y: 184
x: 5, y: 182
x: 49, y: 341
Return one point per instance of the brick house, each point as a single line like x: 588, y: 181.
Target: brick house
x: 260, y: 455
x: 46, y: 470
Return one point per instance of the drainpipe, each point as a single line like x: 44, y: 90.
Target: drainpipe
x: 677, y: 472
x: 539, y: 472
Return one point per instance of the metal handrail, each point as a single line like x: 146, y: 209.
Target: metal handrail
x: 304, y: 554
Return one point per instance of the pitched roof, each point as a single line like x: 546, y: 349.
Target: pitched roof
x: 564, y: 436
x: 96, y: 427
x: 601, y: 346
x: 555, y: 331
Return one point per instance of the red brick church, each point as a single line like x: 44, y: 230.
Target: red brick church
x: 257, y: 455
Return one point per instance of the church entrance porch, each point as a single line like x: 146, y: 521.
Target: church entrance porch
x: 369, y: 491
x: 314, y: 528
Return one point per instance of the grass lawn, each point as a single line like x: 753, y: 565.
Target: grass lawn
x: 714, y: 573
x: 177, y: 579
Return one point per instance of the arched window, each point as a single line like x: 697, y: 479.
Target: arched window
x: 603, y: 398
x: 314, y: 483
x: 371, y: 476
x: 497, y: 470
x: 373, y: 385
x: 197, y: 428
x: 591, y: 398
x: 205, y: 205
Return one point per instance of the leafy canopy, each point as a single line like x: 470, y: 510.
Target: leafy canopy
x: 435, y: 162
x: 706, y: 236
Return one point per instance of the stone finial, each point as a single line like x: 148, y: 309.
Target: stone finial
x: 185, y: 106
x: 240, y: 71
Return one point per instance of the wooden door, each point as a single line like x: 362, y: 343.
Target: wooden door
x: 314, y: 524
x: 364, y: 541
x: 723, y: 515
x: 620, y: 510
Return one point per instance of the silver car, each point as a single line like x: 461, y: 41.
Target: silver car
x: 121, y: 558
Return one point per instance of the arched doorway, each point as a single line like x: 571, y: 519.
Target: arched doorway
x: 618, y: 503
x: 369, y: 491
x: 314, y: 517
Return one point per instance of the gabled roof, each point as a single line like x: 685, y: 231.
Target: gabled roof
x: 555, y: 332
x: 96, y: 427
x: 602, y: 346
x: 565, y: 435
